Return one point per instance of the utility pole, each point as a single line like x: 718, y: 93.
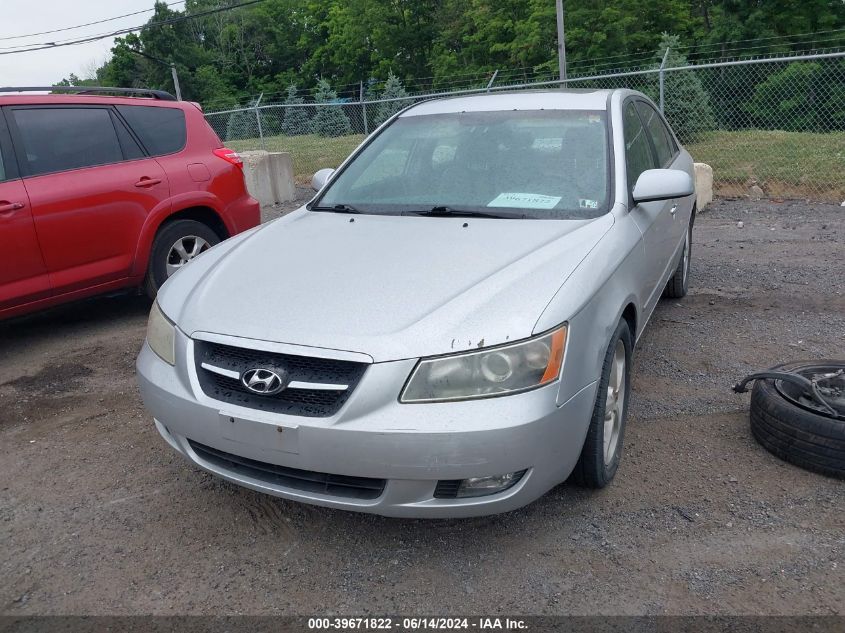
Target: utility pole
x: 163, y: 63
x: 561, y: 43
x: 176, y: 82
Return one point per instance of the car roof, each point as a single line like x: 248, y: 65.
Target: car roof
x: 522, y: 100
x: 9, y: 98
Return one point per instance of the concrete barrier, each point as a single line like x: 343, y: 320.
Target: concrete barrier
x: 269, y: 176
x: 703, y: 185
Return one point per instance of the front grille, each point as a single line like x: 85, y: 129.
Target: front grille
x: 293, y: 478
x: 313, y: 403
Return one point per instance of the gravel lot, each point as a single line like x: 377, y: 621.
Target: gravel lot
x: 98, y: 515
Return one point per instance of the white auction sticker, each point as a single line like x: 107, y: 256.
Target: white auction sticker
x: 524, y: 201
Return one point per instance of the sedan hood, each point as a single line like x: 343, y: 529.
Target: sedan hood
x: 390, y: 287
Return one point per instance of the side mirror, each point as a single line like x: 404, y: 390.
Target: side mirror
x: 319, y: 180
x: 663, y: 184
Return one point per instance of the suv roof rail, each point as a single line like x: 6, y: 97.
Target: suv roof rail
x: 155, y: 94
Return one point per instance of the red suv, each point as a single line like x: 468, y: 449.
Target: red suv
x: 101, y: 192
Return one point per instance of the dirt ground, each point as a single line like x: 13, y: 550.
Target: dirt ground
x: 99, y: 516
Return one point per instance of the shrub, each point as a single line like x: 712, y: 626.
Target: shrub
x: 801, y: 97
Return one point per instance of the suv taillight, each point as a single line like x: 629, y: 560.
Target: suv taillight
x: 230, y: 156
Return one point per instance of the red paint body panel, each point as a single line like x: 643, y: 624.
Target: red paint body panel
x: 23, y: 275
x: 86, y: 231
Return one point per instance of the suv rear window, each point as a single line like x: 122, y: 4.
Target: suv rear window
x: 58, y: 139
x: 161, y: 130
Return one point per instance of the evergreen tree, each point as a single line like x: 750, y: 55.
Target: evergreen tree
x: 393, y: 89
x: 295, y: 120
x: 242, y: 124
x: 330, y: 119
x: 686, y: 103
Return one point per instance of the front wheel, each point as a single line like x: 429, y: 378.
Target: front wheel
x: 175, y: 245
x: 603, y: 447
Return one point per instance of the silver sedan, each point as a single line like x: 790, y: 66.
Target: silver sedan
x: 446, y: 328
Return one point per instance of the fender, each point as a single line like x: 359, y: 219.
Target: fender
x: 162, y: 212
x: 593, y: 316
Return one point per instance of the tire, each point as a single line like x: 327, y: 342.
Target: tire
x: 796, y: 434
x: 195, y: 238
x: 679, y: 282
x: 599, y: 458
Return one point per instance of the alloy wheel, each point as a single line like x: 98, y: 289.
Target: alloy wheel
x: 614, y: 406
x: 183, y: 251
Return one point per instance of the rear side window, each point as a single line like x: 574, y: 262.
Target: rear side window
x: 59, y: 139
x: 161, y: 130
x: 663, y: 144
x: 637, y: 152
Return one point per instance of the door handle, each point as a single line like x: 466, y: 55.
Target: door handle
x: 148, y: 182
x: 673, y: 210
x: 7, y: 208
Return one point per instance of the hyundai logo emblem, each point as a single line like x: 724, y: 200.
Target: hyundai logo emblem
x: 264, y: 382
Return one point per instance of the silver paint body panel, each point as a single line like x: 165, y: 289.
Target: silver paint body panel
x: 388, y: 290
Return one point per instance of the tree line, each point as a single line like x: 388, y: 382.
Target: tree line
x: 225, y: 58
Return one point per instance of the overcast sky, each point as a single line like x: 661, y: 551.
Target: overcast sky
x: 21, y: 17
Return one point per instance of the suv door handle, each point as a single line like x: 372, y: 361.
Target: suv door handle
x: 148, y: 182
x: 10, y: 207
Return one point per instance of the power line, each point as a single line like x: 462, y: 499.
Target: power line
x: 760, y: 39
x: 701, y: 48
x: 79, y: 26
x: 94, y: 38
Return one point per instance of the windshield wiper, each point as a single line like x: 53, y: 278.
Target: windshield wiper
x: 338, y: 208
x: 443, y: 211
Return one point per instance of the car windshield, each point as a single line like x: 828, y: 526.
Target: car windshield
x: 545, y: 164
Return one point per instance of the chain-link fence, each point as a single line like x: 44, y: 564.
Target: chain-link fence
x: 770, y: 127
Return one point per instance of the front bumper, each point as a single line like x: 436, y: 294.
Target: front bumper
x: 411, y: 446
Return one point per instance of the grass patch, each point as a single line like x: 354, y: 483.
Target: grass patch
x: 785, y: 164
x: 309, y: 152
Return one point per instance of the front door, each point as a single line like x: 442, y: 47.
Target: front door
x: 654, y: 219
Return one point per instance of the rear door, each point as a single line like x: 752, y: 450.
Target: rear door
x: 23, y: 275
x: 91, y: 187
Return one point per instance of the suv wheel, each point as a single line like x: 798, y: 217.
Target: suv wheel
x: 175, y: 245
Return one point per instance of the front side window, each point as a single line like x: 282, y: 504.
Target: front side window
x: 638, y: 157
x: 59, y: 139
x: 659, y: 134
x: 550, y: 164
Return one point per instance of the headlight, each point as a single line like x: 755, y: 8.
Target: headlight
x: 161, y: 334
x: 494, y: 372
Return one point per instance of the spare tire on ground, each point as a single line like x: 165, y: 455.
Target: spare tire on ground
x: 798, y: 413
